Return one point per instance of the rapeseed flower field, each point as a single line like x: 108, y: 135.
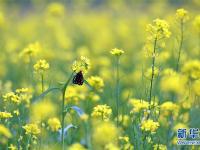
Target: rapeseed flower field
x: 99, y: 75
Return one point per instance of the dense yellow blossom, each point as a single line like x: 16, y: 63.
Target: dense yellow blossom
x: 103, y: 134
x: 96, y: 82
x: 42, y: 110
x: 11, y: 96
x: 158, y: 30
x: 111, y: 146
x: 5, y: 115
x: 5, y: 131
x: 192, y: 69
x: 30, y: 51
x: 55, y: 9
x: 138, y: 105
x: 82, y: 64
x: 125, y: 143
x: 76, y: 146
x: 173, y: 83
x: 149, y: 125
x: 12, y: 147
x: 41, y: 66
x: 169, y: 108
x: 159, y: 147
x: 103, y: 112
x: 117, y: 52
x: 31, y: 129
x: 182, y: 14
x: 196, y: 23
x: 196, y: 87
x: 54, y: 124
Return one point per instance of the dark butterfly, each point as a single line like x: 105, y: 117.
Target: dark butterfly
x: 78, y: 78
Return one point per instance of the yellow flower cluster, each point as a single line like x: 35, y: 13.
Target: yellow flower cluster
x: 149, y: 125
x: 54, y: 124
x: 125, y: 142
x: 42, y: 110
x: 111, y: 146
x: 96, y: 82
x: 138, y: 105
x: 169, y: 108
x: 31, y: 129
x: 158, y: 30
x: 82, y: 64
x: 173, y: 83
x: 76, y: 146
x: 117, y: 52
x: 5, y: 115
x: 102, y: 111
x: 196, y: 23
x: 182, y: 14
x: 11, y: 96
x: 4, y: 134
x: 159, y: 147
x: 12, y: 147
x: 104, y: 133
x: 55, y: 9
x: 192, y: 69
x: 41, y: 66
x: 196, y: 87
x: 30, y: 51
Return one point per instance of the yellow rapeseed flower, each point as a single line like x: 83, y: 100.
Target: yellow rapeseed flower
x: 117, y: 52
x: 31, y: 129
x: 158, y: 30
x: 76, y: 146
x: 192, y: 69
x: 54, y: 124
x: 102, y: 111
x: 12, y: 147
x: 169, y: 108
x: 5, y: 115
x: 196, y: 87
x: 96, y: 82
x: 30, y: 51
x: 82, y: 64
x: 41, y: 66
x: 103, y: 134
x: 182, y: 14
x: 5, y: 131
x: 11, y: 97
x: 159, y: 147
x: 138, y: 105
x: 149, y: 125
x: 56, y: 9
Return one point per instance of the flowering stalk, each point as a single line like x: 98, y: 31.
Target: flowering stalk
x: 180, y: 46
x: 63, y: 109
x: 117, y: 88
x: 117, y: 53
x: 152, y: 70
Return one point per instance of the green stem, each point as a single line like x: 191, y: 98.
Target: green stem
x: 63, y: 107
x: 180, y: 46
x: 152, y: 70
x: 42, y: 82
x: 117, y: 89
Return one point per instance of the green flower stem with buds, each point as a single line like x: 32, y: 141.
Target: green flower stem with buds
x: 63, y: 110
